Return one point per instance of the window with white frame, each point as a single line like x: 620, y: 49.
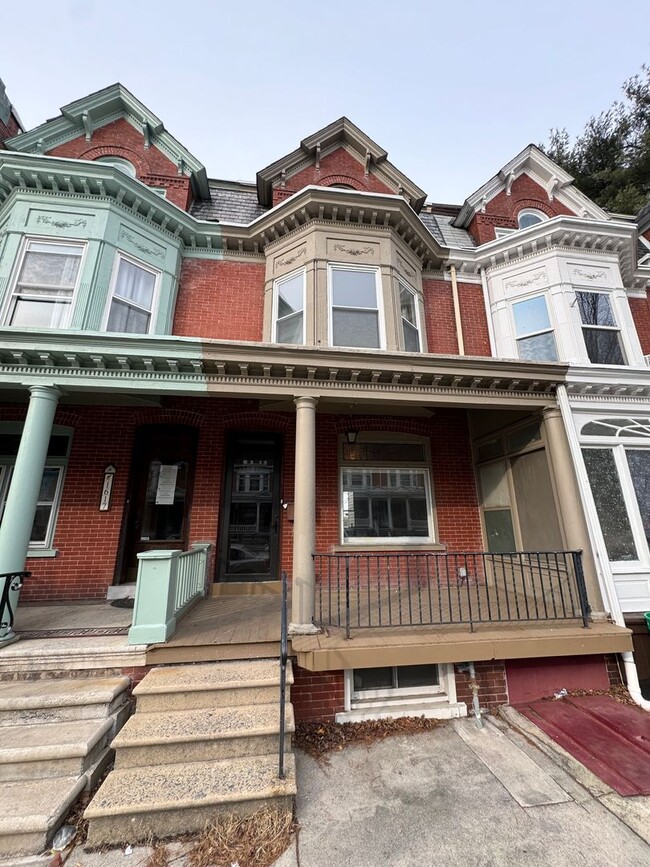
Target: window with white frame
x: 599, y: 329
x: 45, y: 284
x: 132, y: 299
x: 408, y: 304
x: 616, y: 452
x: 355, y: 306
x: 51, y: 484
x: 533, y: 330
x: 289, y: 308
x: 119, y: 163
x: 396, y: 680
x: 385, y: 493
x: 530, y: 217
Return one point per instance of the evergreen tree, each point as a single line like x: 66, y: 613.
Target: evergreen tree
x: 610, y: 159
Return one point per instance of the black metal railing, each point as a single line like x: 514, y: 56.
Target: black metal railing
x: 356, y: 591
x: 11, y: 581
x: 284, y: 655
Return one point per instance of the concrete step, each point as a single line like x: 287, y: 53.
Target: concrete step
x: 50, y: 701
x: 165, y: 800
x: 214, y: 684
x: 32, y: 810
x: 70, y: 748
x: 203, y: 734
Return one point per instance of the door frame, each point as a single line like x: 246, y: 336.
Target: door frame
x: 230, y: 442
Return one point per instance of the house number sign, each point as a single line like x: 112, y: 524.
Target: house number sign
x: 107, y: 489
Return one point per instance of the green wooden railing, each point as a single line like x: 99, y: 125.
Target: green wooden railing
x: 168, y: 584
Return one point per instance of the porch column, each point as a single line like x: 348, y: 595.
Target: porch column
x: 570, y: 502
x: 304, y: 521
x: 22, y: 497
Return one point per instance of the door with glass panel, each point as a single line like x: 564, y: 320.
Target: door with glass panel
x: 248, y: 545
x: 160, y: 494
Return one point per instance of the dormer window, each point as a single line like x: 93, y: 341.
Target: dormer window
x: 119, y: 163
x: 530, y: 217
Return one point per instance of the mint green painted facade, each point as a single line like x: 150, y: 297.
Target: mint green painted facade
x: 106, y: 229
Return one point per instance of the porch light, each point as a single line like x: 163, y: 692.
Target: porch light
x: 352, y: 436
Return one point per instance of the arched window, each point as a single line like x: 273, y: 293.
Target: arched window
x: 530, y: 217
x: 119, y: 163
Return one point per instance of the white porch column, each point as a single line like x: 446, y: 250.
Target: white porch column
x: 304, y: 520
x: 25, y: 486
x: 571, y: 506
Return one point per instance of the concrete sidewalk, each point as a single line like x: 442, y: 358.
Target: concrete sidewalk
x: 459, y: 796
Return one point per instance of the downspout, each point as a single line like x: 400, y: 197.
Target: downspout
x: 459, y: 323
x: 488, y: 312
x: 469, y: 668
x: 606, y: 579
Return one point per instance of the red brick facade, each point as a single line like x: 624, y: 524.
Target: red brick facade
x: 316, y: 695
x: 640, y: 309
x: 120, y: 139
x: 492, y: 684
x: 502, y: 210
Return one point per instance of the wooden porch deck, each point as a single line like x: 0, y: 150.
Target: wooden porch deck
x: 224, y: 627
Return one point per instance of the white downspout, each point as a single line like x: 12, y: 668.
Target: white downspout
x: 605, y: 575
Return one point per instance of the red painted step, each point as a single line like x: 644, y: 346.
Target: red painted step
x: 609, y: 738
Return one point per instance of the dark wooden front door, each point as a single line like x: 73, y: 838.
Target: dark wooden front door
x: 248, y: 544
x: 161, y: 493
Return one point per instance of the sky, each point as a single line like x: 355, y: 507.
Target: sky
x: 451, y: 90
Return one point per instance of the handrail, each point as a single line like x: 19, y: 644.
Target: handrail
x: 12, y: 582
x: 284, y: 655
x: 391, y: 589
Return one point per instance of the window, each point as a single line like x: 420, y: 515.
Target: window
x: 610, y: 503
x: 119, y: 163
x: 45, y: 285
x: 533, y: 330
x: 385, y: 496
x: 502, y: 231
x: 355, y: 307
x: 599, y: 329
x: 131, y: 303
x: 530, y: 217
x: 402, y: 679
x: 410, y: 325
x: 288, y: 309
x: 51, y: 483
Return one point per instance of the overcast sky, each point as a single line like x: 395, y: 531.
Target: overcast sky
x: 451, y: 90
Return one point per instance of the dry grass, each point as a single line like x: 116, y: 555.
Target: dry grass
x: 320, y: 738
x: 252, y: 841
x: 159, y: 856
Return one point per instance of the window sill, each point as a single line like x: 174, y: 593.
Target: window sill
x: 36, y: 553
x: 414, y: 547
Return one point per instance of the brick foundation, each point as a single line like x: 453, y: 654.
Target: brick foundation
x: 316, y: 695
x: 491, y: 679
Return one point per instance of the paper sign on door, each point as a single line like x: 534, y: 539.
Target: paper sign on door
x: 166, y: 485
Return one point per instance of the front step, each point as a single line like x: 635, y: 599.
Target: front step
x: 51, y: 701
x: 203, y: 734
x: 210, y: 685
x: 32, y: 810
x: 165, y: 800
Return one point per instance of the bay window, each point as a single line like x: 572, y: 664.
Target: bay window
x: 132, y: 297
x: 533, y: 330
x: 355, y: 307
x: 409, y: 315
x: 45, y: 284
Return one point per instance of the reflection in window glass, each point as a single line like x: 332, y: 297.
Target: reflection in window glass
x: 529, y: 218
x: 602, y: 339
x: 290, y: 309
x: 409, y: 319
x: 535, y: 340
x: 355, y: 307
x: 610, y: 504
x: 385, y: 503
x: 639, y: 463
x: 132, y: 302
x: 42, y: 296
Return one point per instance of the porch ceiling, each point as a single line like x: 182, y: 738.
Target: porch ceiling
x: 421, y: 644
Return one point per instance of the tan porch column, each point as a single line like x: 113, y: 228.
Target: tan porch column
x: 570, y: 502
x: 304, y: 521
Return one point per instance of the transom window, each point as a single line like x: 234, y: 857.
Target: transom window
x: 384, y: 498
x: 354, y: 297
x: 132, y: 298
x: 410, y: 319
x: 289, y: 308
x: 51, y: 484
x: 533, y: 330
x: 599, y: 328
x: 44, y: 288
